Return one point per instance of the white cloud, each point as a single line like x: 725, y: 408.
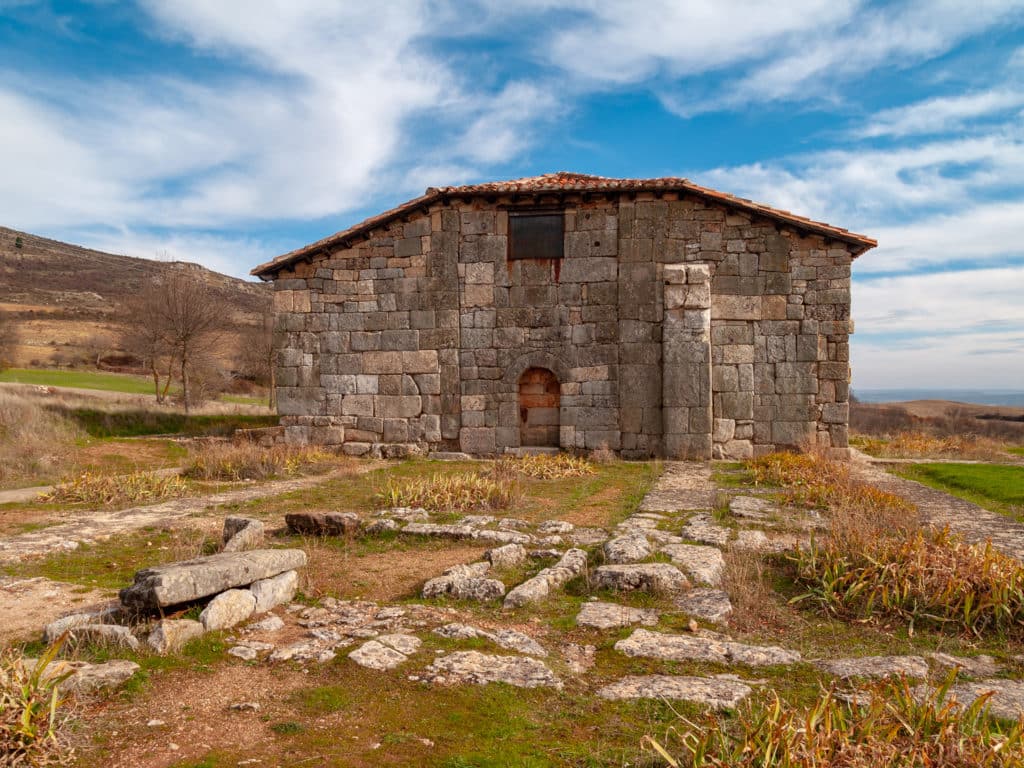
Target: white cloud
x: 940, y: 115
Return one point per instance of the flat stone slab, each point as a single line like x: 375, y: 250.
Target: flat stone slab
x: 1007, y: 696
x: 185, y: 582
x: 705, y: 603
x: 386, y: 651
x: 646, y: 577
x: 683, y: 486
x: 704, y: 530
x: 712, y: 692
x: 465, y: 582
x: 506, y: 556
x: 509, y: 639
x: 705, y: 564
x: 875, y: 666
x: 656, y: 645
x: 481, y: 668
x: 752, y: 508
x: 84, y: 677
x: 614, y: 616
x: 975, y: 666
x: 588, y: 537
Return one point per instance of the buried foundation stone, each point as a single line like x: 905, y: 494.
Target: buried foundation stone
x: 185, y: 582
x: 572, y: 564
x: 656, y: 578
x: 705, y: 564
x: 713, y: 692
x: 83, y: 676
x: 465, y: 582
x: 323, y: 523
x: 656, y: 645
x: 631, y: 548
x: 875, y: 666
x: 508, y: 639
x: 614, y: 616
x: 507, y: 556
x: 708, y: 604
x: 483, y: 668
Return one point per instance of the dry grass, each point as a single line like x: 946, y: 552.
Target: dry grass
x: 116, y: 490
x: 248, y: 461
x: 913, y: 445
x: 34, y: 441
x: 754, y: 602
x: 31, y: 716
x: 548, y: 467
x: 491, y: 489
x: 894, y: 725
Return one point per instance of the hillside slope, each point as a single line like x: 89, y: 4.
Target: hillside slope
x: 67, y: 299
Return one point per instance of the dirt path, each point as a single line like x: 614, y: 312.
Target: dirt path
x: 28, y: 605
x: 102, y: 524
x: 975, y: 523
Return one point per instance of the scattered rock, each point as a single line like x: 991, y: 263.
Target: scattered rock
x: 191, y: 580
x: 507, y: 556
x: 243, y: 652
x: 875, y: 666
x: 572, y: 564
x: 752, y: 508
x: 376, y: 655
x: 170, y: 635
x: 660, y: 578
x: 704, y: 564
x: 1007, y: 699
x: 227, y: 609
x: 242, y: 533
x: 272, y: 592
x: 456, y: 532
x: 705, y: 603
x: 503, y: 537
x: 245, y: 706
x: 631, y: 548
x: 408, y: 514
x: 465, y: 582
x: 84, y: 677
x: 269, y: 624
x: 56, y: 628
x: 655, y: 645
x: 975, y: 666
x: 578, y: 658
x: 384, y: 525
x: 323, y: 523
x: 588, y: 537
x: 614, y: 616
x: 713, y: 692
x: 544, y: 554
x: 481, y: 668
x: 407, y: 644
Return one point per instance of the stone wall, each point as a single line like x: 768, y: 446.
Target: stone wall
x: 415, y: 338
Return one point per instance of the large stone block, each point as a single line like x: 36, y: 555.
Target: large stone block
x: 477, y: 440
x: 190, y: 580
x: 728, y: 307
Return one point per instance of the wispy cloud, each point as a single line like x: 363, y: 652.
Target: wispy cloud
x: 941, y: 115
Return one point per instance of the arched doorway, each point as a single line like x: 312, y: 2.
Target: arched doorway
x: 538, y: 408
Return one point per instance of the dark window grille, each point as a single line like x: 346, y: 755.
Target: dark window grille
x: 536, y: 235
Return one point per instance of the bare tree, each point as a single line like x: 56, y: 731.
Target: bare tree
x: 8, y: 339
x: 145, y: 338
x: 177, y: 319
x: 257, y: 354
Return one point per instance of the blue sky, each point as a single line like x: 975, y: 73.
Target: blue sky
x: 228, y: 132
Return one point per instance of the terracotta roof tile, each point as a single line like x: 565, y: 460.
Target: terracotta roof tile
x: 563, y: 182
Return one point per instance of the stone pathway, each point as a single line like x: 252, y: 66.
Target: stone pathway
x: 975, y: 523
x: 97, y: 525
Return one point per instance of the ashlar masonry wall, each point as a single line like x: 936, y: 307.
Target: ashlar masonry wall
x: 673, y: 326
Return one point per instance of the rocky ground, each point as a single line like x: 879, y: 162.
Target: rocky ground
x: 638, y: 610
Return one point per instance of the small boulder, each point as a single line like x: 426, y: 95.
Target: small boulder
x: 646, y: 577
x: 171, y: 634
x: 705, y: 603
x: 631, y: 548
x: 105, y: 634
x: 376, y: 655
x: 242, y: 533
x: 272, y: 592
x: 228, y: 609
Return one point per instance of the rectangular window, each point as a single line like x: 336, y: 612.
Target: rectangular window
x: 536, y: 234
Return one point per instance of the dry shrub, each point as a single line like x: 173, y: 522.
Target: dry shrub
x: 754, y: 603
x: 925, y: 445
x: 892, y: 725
x: 248, y: 461
x: 31, y: 717
x: 33, y: 439
x: 492, y: 489
x: 550, y: 467
x: 116, y: 490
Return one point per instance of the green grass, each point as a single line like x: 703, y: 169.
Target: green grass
x: 108, y: 382
x: 998, y: 487
x: 1019, y: 451
x: 99, y: 423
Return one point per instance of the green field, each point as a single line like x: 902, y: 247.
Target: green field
x: 998, y: 487
x: 108, y: 382
x: 1018, y: 451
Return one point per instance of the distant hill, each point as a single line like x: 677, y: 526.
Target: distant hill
x: 67, y: 298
